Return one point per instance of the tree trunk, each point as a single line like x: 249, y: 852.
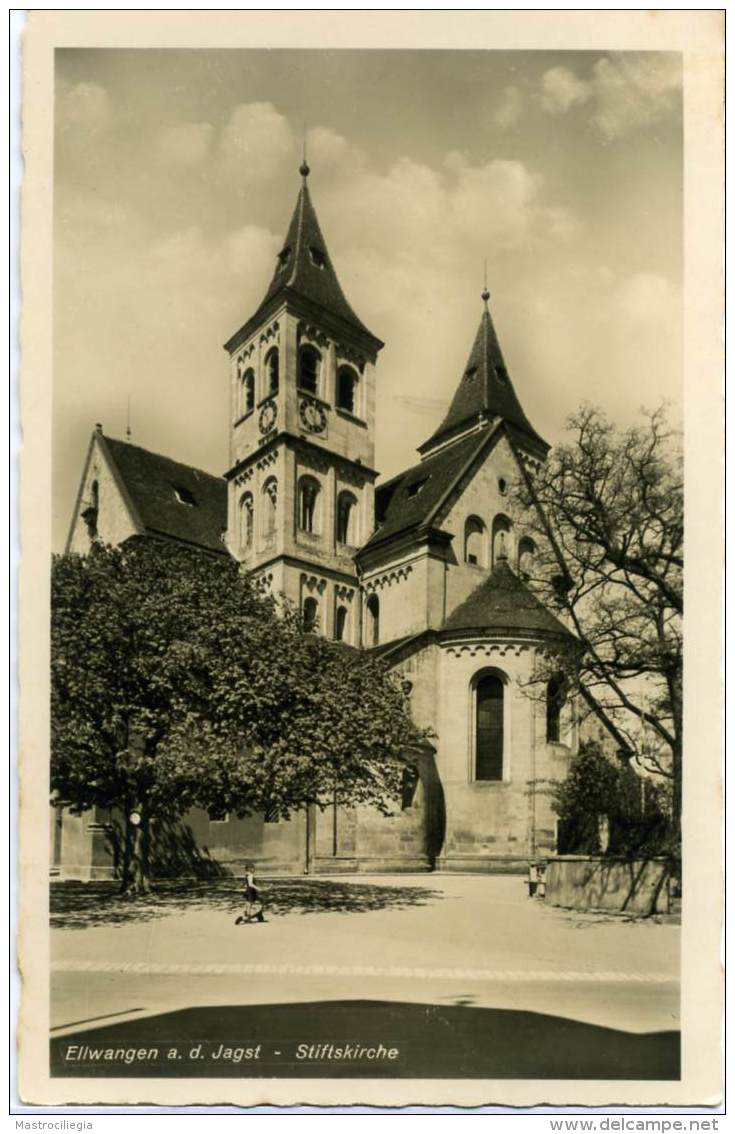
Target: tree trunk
x: 136, y: 871
x: 676, y: 795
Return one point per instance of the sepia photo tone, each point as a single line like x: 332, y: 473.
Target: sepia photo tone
x: 367, y: 718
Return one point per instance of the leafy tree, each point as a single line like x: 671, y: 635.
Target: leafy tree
x: 175, y: 683
x: 607, y: 514
x: 597, y: 792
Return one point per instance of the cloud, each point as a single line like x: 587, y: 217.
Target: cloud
x: 497, y: 202
x: 634, y: 91
x: 326, y: 149
x: 416, y: 404
x: 186, y: 145
x: 251, y: 251
x: 83, y: 109
x: 255, y: 141
x: 623, y: 93
x: 648, y: 300
x: 509, y: 109
x: 561, y: 89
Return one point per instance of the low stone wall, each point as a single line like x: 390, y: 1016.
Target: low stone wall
x: 584, y: 883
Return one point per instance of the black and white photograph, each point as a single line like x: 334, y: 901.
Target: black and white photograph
x: 366, y: 726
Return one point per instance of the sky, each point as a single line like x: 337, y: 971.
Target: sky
x: 176, y: 174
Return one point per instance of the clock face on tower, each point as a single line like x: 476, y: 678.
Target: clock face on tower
x: 312, y: 416
x: 267, y: 417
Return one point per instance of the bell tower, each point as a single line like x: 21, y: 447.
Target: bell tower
x: 302, y: 412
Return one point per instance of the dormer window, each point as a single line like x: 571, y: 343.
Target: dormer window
x: 318, y: 259
x: 184, y: 496
x: 470, y: 374
x: 415, y: 488
x: 283, y: 257
x: 502, y: 373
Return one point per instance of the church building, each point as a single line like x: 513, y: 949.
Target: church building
x: 427, y: 568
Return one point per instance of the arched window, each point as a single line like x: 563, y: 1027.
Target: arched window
x: 526, y: 552
x: 489, y: 728
x: 309, y: 360
x: 501, y: 539
x: 346, y: 517
x: 340, y: 623
x: 247, y: 391
x: 271, y: 371
x: 555, y: 698
x: 373, y: 620
x: 475, y: 542
x: 308, y: 502
x: 270, y: 506
x: 246, y: 521
x: 346, y: 389
x: 310, y: 614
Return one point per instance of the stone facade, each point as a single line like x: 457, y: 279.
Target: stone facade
x: 426, y: 568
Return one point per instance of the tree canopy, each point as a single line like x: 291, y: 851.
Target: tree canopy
x: 607, y: 513
x: 176, y: 683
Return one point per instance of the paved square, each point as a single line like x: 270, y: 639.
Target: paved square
x: 450, y: 941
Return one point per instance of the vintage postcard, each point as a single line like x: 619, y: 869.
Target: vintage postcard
x: 371, y: 362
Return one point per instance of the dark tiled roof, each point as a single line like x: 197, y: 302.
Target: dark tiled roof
x: 503, y: 602
x: 304, y: 268
x: 485, y: 389
x: 162, y: 491
x: 409, y: 499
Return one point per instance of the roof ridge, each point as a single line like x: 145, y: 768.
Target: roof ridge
x: 299, y: 229
x: 161, y: 456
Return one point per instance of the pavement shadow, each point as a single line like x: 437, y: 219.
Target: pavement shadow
x: 355, y: 1039
x: 79, y: 905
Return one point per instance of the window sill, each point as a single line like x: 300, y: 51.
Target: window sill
x: 489, y: 785
x: 348, y: 416
x: 302, y: 393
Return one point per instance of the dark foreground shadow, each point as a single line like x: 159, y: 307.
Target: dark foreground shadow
x: 78, y: 905
x: 363, y: 1039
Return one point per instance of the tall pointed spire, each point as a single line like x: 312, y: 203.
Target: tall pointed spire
x: 304, y: 268
x: 485, y: 390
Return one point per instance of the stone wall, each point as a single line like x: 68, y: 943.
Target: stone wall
x: 585, y: 883
x: 114, y: 522
x: 495, y: 825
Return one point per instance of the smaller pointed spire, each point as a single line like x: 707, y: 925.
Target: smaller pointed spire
x: 485, y: 391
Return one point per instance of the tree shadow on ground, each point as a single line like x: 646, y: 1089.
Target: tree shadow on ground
x: 430, y: 1041
x: 592, y: 919
x: 79, y: 905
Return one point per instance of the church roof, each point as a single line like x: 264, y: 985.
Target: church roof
x: 504, y: 602
x: 485, y: 390
x: 410, y: 500
x: 171, y: 499
x: 304, y: 269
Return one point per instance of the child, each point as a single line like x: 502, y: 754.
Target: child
x: 253, y: 904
